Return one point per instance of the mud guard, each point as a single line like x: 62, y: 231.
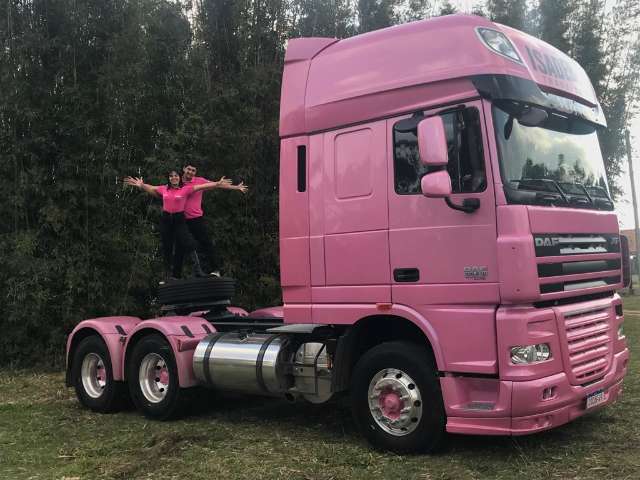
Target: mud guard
x: 112, y: 330
x: 183, y: 334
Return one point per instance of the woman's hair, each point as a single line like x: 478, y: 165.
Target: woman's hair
x: 177, y: 172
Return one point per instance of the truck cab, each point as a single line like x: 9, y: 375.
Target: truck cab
x: 448, y: 173
x: 449, y: 254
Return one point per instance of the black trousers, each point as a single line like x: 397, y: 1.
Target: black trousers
x: 206, y: 251
x: 175, y: 239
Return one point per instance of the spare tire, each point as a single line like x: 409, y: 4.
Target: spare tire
x: 200, y: 289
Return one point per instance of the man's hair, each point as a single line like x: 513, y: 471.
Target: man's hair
x: 189, y: 165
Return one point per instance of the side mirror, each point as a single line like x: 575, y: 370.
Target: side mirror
x: 432, y: 142
x: 436, y: 184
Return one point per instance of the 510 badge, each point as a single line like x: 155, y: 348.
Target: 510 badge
x: 476, y: 272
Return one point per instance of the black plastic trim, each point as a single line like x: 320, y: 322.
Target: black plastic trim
x: 302, y: 168
x: 571, y: 300
x: 573, y: 268
x: 406, y: 274
x: 572, y: 286
x: 508, y: 87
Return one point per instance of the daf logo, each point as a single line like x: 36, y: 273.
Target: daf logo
x: 547, y: 242
x: 476, y: 272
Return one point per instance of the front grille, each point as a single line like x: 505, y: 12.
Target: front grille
x: 575, y: 244
x: 587, y: 344
x: 577, y: 264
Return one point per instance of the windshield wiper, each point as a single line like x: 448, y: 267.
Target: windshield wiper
x: 543, y: 196
x: 565, y: 195
x: 589, y: 200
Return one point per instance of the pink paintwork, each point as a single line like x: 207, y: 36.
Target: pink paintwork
x: 107, y: 329
x: 343, y: 238
x: 432, y: 142
x: 169, y: 327
x: 391, y: 404
x: 269, y: 312
x: 182, y: 344
x: 436, y: 184
x: 394, y: 70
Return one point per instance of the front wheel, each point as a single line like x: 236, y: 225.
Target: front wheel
x: 153, y: 378
x: 396, y: 398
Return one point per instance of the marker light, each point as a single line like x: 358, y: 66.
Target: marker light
x: 499, y: 43
x: 530, y: 353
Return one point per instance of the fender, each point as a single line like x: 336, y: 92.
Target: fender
x: 112, y: 330
x: 350, y: 314
x: 423, y: 324
x: 183, y: 334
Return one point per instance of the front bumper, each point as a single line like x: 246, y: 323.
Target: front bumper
x: 529, y: 411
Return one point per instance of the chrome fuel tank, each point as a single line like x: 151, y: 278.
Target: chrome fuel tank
x: 242, y: 362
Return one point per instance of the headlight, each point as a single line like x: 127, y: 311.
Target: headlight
x: 499, y: 43
x: 530, y: 353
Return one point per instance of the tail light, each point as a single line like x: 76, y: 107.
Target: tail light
x: 626, y: 261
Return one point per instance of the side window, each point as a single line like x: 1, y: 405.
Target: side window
x: 464, y: 142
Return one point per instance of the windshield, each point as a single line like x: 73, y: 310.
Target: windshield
x: 557, y: 162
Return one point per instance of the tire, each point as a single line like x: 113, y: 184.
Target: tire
x: 92, y: 377
x: 152, y: 376
x: 196, y: 289
x: 382, y: 380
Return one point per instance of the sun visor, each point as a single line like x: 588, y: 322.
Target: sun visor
x: 508, y: 87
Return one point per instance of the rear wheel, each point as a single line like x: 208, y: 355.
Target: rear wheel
x: 92, y: 377
x: 153, y: 378
x: 396, y: 398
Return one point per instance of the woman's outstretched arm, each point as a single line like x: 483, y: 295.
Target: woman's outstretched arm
x: 137, y: 182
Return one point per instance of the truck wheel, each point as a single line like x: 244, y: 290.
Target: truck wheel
x: 396, y: 398
x: 153, y: 378
x: 93, y: 377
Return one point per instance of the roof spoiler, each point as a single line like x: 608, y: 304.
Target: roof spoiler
x: 306, y: 48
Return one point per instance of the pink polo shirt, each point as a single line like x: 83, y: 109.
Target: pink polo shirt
x: 193, y: 208
x: 174, y: 199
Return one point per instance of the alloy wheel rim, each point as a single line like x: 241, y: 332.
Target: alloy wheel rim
x: 94, y: 375
x: 153, y: 378
x: 395, y: 402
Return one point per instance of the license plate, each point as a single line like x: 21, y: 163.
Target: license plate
x: 595, y: 399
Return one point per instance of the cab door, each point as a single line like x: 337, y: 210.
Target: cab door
x: 439, y: 254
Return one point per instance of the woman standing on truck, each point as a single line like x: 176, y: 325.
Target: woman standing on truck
x: 173, y: 229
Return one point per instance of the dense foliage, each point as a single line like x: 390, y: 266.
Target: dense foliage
x: 93, y: 90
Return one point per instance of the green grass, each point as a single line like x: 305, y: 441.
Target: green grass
x: 45, y: 434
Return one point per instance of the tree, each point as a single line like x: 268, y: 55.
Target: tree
x: 447, y: 9
x: 323, y: 18
x: 511, y: 13
x: 555, y: 22
x: 375, y: 14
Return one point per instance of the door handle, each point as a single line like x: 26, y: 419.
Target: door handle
x: 406, y: 274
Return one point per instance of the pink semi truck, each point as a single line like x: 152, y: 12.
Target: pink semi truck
x: 449, y: 251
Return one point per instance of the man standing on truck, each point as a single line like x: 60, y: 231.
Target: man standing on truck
x: 195, y: 219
